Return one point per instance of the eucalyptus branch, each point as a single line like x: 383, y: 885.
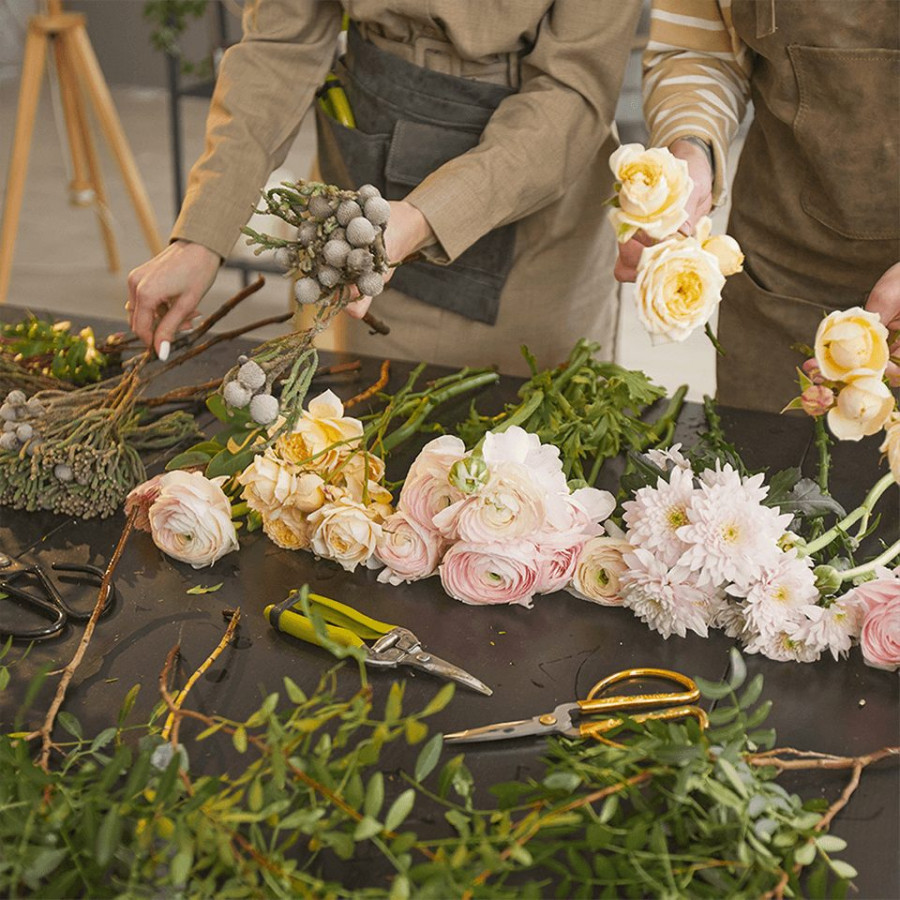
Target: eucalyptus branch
x: 45, y: 732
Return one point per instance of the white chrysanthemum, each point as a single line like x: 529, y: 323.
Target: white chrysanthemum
x: 656, y: 514
x: 778, y: 594
x: 668, y: 459
x: 665, y: 598
x: 731, y: 619
x: 783, y: 647
x: 730, y: 535
x: 830, y: 628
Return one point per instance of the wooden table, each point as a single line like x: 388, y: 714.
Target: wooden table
x: 533, y: 659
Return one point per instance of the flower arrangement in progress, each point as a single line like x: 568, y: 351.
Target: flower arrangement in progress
x: 680, y: 277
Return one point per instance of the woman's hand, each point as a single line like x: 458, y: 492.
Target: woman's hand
x: 884, y: 299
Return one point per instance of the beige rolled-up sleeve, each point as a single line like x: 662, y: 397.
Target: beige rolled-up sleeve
x: 696, y: 78
x: 539, y: 139
x: 265, y: 85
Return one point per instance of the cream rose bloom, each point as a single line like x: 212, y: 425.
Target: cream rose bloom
x: 190, y: 520
x: 599, y: 569
x: 891, y: 445
x: 677, y: 289
x: 323, y: 434
x: 344, y: 531
x: 722, y: 246
x: 267, y: 483
x: 654, y: 188
x: 289, y: 528
x: 851, y: 339
x: 863, y: 407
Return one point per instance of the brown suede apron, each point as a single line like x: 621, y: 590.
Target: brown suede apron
x: 816, y: 203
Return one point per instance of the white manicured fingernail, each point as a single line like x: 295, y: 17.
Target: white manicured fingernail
x: 163, y: 353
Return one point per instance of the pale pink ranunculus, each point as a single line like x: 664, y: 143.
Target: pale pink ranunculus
x: 408, y: 549
x: 879, y: 638
x: 598, y: 569
x: 882, y: 589
x: 345, y: 531
x: 142, y: 498
x: 427, y: 489
x: 190, y: 520
x: 541, y: 461
x: 481, y: 574
x: 556, y: 564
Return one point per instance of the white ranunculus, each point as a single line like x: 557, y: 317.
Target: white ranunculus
x: 344, y: 531
x: 599, y: 567
x: 677, y: 288
x: 655, y: 186
x: 851, y: 339
x: 190, y: 520
x: 863, y: 407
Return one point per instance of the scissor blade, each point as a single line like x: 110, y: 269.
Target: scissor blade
x: 428, y: 662
x: 500, y: 731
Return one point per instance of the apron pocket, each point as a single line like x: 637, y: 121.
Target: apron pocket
x: 852, y: 164
x: 348, y: 157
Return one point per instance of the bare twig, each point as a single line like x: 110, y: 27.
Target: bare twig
x: 225, y: 308
x: 45, y: 732
x: 376, y: 324
x: 374, y: 388
x: 184, y: 394
x: 182, y: 694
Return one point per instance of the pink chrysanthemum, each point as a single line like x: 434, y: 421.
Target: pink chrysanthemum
x: 830, y: 628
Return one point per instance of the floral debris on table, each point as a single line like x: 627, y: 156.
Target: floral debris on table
x: 680, y: 277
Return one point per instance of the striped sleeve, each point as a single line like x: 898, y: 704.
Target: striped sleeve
x: 696, y: 77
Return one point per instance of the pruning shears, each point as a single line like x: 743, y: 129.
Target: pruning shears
x: 393, y: 645
x: 334, y: 102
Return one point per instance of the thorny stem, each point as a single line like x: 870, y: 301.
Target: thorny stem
x: 822, y: 444
x: 182, y: 694
x: 45, y: 732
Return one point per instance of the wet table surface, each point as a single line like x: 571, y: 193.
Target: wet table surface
x: 532, y: 658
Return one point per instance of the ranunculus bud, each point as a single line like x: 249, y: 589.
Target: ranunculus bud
x: 812, y: 371
x: 817, y: 400
x: 828, y: 580
x: 469, y: 474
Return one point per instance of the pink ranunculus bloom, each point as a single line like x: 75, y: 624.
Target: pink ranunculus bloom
x: 190, y: 520
x: 879, y: 638
x: 427, y: 489
x: 142, y: 497
x: 408, y: 550
x: 481, y: 574
x: 883, y: 589
x: 556, y: 564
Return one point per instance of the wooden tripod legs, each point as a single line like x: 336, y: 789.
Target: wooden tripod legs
x: 77, y: 69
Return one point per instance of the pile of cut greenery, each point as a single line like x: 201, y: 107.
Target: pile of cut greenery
x: 670, y: 811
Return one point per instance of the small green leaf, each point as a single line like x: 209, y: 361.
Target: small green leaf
x: 738, y: 669
x: 4, y: 672
x: 440, y: 700
x: 188, y: 459
x: 415, y: 731
x: 374, y: 795
x: 128, y: 704
x: 203, y: 589
x: 69, y: 723
x: 181, y: 866
x: 399, y: 810
x: 239, y: 739
x: 108, y: 836
x: 562, y: 781
x: 428, y: 757
x: 294, y: 691
x: 842, y: 869
x: 105, y: 737
x: 752, y: 692
x: 831, y: 843
x: 713, y: 689
x: 367, y: 828
x: 805, y: 854
x: 227, y: 463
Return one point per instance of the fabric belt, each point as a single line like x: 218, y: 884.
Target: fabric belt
x: 430, y: 50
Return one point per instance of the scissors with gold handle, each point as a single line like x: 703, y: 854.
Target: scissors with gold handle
x: 662, y: 705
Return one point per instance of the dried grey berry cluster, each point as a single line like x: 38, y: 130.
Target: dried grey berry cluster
x: 20, y: 422
x: 251, y: 387
x: 340, y: 238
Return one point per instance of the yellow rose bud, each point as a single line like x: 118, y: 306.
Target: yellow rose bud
x: 851, y: 339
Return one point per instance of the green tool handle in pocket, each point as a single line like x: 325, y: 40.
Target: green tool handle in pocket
x: 334, y: 102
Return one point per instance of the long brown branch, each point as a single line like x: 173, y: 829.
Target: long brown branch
x: 226, y: 308
x: 374, y: 388
x: 45, y: 732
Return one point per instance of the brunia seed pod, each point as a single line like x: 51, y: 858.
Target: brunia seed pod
x: 264, y: 409
x: 335, y: 252
x: 306, y: 234
x: 328, y: 276
x: 236, y: 395
x: 285, y: 257
x: 378, y: 210
x: 319, y: 207
x: 360, y: 232
x: 251, y: 375
x: 307, y: 290
x: 370, y: 284
x: 348, y: 211
x: 360, y: 260
x: 366, y: 192
x: 15, y: 397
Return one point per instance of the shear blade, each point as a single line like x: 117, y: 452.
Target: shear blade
x: 427, y: 662
x: 500, y: 731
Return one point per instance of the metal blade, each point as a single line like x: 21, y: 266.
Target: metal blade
x: 557, y: 722
x: 427, y: 662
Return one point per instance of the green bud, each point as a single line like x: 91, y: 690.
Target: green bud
x: 828, y: 580
x: 469, y: 474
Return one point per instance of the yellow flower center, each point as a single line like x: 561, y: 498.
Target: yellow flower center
x: 643, y: 172
x: 676, y: 517
x: 685, y: 288
x: 730, y: 533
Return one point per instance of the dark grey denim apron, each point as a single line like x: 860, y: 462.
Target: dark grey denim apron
x: 409, y: 122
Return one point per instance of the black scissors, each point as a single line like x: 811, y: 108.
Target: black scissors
x: 51, y: 605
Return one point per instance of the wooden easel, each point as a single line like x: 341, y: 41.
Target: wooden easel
x: 78, y: 71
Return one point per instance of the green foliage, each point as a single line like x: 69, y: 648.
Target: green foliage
x: 671, y: 811
x: 590, y: 409
x: 169, y: 20
x: 51, y: 349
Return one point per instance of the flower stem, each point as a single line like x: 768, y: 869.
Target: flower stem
x: 823, y: 445
x: 861, y: 511
x: 882, y: 560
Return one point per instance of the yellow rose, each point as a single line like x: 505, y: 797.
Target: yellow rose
x: 891, y: 445
x: 851, y: 339
x: 323, y: 434
x: 268, y: 483
x: 863, y: 407
x: 722, y: 246
x: 288, y: 528
x: 599, y: 568
x: 654, y: 187
x: 677, y: 288
x: 345, y: 531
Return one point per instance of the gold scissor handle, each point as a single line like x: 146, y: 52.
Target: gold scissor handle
x: 593, y: 704
x: 596, y: 728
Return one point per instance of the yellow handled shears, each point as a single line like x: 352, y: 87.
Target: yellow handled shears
x: 675, y: 705
x: 393, y: 646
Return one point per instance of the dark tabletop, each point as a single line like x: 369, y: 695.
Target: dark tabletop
x: 533, y: 659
